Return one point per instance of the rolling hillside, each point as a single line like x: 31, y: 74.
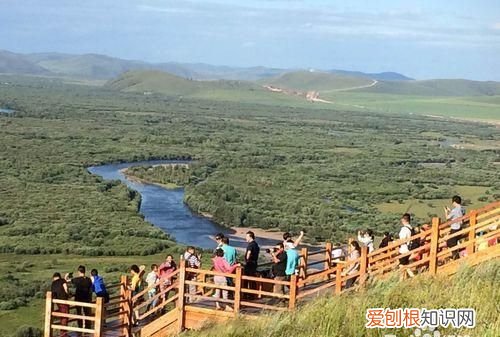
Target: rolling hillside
x: 11, y: 63
x: 317, y: 81
x: 168, y: 84
x: 439, y: 87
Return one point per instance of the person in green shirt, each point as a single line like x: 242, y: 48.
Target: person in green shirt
x: 229, y: 251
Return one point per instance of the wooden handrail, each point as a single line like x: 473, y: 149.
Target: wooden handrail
x: 149, y: 287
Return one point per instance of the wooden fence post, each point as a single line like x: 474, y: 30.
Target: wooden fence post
x: 434, y: 246
x: 328, y: 257
x: 363, y: 266
x: 99, y: 311
x: 237, y: 291
x: 124, y: 306
x: 181, y: 300
x: 338, y: 279
x: 48, y: 315
x: 472, y: 233
x: 303, y: 263
x: 293, y: 292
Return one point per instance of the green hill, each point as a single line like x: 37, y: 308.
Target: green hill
x: 317, y: 81
x: 344, y: 316
x: 11, y: 63
x: 451, y: 87
x: 168, y: 84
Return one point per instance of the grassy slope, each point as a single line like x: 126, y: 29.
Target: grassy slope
x: 470, y: 107
x: 418, y: 97
x: 317, y: 81
x: 450, y: 87
x: 344, y: 316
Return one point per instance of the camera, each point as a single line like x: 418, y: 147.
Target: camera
x: 274, y: 250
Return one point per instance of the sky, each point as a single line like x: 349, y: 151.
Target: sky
x: 421, y: 39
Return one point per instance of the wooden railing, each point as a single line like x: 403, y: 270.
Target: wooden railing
x: 54, y: 320
x: 317, y: 273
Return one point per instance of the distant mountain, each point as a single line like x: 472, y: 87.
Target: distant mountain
x: 317, y: 81
x: 12, y: 63
x: 384, y: 76
x: 95, y: 66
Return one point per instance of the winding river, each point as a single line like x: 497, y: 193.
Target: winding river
x: 165, y: 209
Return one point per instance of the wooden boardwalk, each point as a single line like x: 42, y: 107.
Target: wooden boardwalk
x: 127, y: 316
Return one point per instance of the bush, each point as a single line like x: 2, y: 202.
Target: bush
x: 28, y: 331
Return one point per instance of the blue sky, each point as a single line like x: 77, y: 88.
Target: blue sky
x: 422, y: 39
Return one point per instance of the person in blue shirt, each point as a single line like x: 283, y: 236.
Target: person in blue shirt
x: 292, y: 260
x: 98, y: 286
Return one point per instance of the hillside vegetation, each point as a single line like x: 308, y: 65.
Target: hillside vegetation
x: 316, y: 81
x: 168, y: 84
x: 344, y: 316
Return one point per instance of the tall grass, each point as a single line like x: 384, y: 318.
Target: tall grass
x: 344, y: 316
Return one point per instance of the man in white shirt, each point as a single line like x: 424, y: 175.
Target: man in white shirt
x: 452, y: 214
x: 405, y: 233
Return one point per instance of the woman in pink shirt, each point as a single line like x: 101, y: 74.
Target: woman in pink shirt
x: 222, y: 266
x: 165, y: 269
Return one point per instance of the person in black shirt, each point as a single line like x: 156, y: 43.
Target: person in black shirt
x: 59, y: 289
x: 251, y: 258
x: 279, y: 266
x: 385, y: 240
x: 83, y: 293
x: 251, y: 255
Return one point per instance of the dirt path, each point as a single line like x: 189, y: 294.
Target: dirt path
x: 316, y: 98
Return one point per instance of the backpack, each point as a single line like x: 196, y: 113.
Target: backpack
x: 415, y: 243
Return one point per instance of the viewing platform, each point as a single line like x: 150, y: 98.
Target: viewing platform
x: 318, y: 275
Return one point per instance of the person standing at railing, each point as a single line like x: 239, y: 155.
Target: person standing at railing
x: 366, y: 239
x: 404, y: 234
x: 99, y: 288
x: 83, y: 293
x: 165, y: 269
x: 192, y: 261
x: 451, y: 215
x: 292, y: 259
x: 352, y: 262
x: 385, y: 240
x: 229, y: 256
x: 59, y: 289
x: 279, y: 258
x: 222, y: 266
x: 287, y: 237
x: 218, y: 239
x: 251, y: 258
x: 153, y: 281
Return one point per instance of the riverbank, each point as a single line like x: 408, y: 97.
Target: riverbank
x: 236, y: 235
x: 133, y: 178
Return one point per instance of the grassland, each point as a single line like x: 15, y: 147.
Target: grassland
x: 316, y: 81
x: 344, y: 316
x: 465, y: 107
x: 434, y: 207
x: 445, y: 98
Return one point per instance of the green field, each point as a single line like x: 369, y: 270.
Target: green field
x: 466, y: 107
x: 434, y: 207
